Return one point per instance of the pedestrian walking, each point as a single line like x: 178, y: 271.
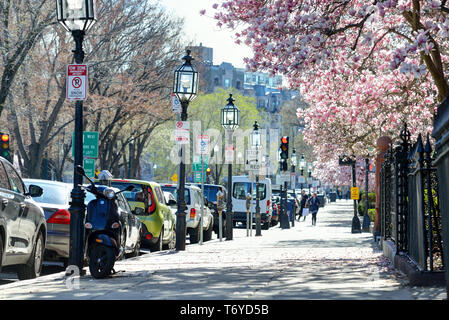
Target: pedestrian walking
x: 314, y: 205
x: 304, y: 198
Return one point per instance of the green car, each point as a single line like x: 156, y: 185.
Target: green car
x: 148, y: 202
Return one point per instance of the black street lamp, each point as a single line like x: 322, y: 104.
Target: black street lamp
x: 256, y: 143
x: 77, y: 17
x: 185, y: 87
x: 302, y: 165
x: 294, y: 162
x: 346, y: 160
x: 230, y: 120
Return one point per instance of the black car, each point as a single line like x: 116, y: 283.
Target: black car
x: 210, y: 193
x: 23, y: 230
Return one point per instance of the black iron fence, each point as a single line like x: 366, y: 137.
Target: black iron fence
x: 409, y: 202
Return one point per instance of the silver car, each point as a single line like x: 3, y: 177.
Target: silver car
x: 55, y: 203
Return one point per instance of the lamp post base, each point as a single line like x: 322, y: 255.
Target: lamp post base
x: 229, y: 225
x: 180, y: 231
x: 258, y: 226
x: 356, y: 228
x: 366, y: 223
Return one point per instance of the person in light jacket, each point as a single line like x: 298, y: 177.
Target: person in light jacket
x: 314, y: 205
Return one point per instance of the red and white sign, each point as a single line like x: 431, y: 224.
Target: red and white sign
x: 229, y: 153
x: 76, y: 82
x: 182, y: 132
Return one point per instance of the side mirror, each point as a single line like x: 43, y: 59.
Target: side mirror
x: 138, y: 211
x: 80, y: 170
x: 172, y: 202
x: 35, y: 191
x: 129, y: 188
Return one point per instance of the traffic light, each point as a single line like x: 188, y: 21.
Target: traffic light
x: 284, y: 153
x: 4, y: 147
x: 208, y: 171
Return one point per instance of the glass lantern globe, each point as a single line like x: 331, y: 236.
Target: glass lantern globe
x: 76, y: 15
x: 230, y: 115
x: 255, y: 136
x: 185, y: 84
x: 294, y: 158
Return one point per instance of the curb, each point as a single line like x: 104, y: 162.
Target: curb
x: 417, y: 277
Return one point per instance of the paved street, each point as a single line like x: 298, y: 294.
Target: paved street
x: 305, y: 262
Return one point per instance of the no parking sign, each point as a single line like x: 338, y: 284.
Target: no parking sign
x: 76, y: 82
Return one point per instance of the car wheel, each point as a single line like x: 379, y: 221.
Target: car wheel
x: 136, y: 250
x: 266, y: 225
x: 158, y: 245
x: 194, y: 234
x: 33, y: 267
x: 208, y: 233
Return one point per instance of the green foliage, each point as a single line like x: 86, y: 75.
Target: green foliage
x: 207, y: 109
x: 371, y: 202
x: 372, y: 214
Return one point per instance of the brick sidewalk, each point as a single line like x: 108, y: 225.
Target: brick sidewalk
x: 304, y: 262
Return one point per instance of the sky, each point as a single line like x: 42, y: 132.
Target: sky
x: 203, y: 29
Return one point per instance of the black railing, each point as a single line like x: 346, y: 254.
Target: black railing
x: 409, y: 202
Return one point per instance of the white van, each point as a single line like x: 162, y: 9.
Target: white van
x: 241, y: 186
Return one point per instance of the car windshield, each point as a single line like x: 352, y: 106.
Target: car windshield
x: 53, y: 193
x: 174, y: 192
x: 129, y: 195
x: 241, y: 189
x: 210, y: 192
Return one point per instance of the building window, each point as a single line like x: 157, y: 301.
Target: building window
x: 237, y: 85
x: 226, y: 83
x: 216, y: 81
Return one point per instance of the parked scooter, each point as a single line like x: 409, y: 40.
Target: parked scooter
x: 104, y: 229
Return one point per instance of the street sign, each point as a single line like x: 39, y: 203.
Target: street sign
x: 355, y: 193
x: 89, y: 167
x: 196, y: 164
x: 182, y: 132
x: 197, y: 177
x: 253, y: 166
x: 90, y: 144
x: 176, y: 105
x: 76, y: 82
x: 202, y: 144
x: 253, y: 155
x: 174, y: 178
x: 229, y: 153
x: 301, y: 179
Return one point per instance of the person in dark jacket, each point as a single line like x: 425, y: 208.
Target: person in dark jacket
x: 314, y: 205
x: 304, y: 198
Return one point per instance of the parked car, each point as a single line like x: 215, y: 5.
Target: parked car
x: 23, y: 230
x: 55, y: 201
x: 193, y: 199
x: 170, y: 200
x: 148, y: 203
x: 241, y: 186
x: 210, y: 193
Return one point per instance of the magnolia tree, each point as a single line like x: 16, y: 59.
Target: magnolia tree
x: 363, y: 67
